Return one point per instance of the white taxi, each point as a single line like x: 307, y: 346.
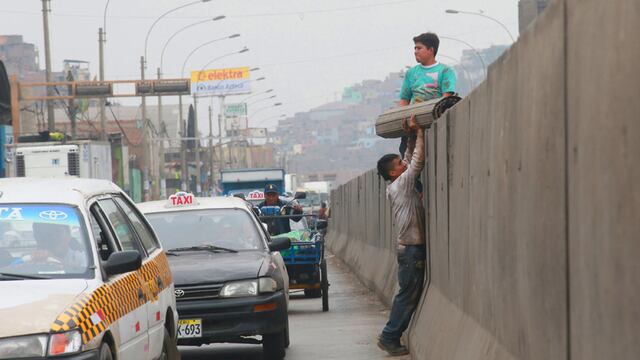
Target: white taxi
x: 82, y: 274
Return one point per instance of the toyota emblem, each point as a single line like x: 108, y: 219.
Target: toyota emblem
x: 179, y: 293
x: 53, y: 215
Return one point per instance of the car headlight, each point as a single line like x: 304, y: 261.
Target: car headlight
x: 249, y: 288
x: 23, y: 347
x: 240, y: 288
x: 267, y: 285
x: 65, y: 343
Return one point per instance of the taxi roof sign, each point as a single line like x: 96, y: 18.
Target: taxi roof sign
x: 256, y: 195
x: 181, y: 198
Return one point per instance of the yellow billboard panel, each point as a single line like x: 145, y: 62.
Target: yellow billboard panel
x: 221, y: 81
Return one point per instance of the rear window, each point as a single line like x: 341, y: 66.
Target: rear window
x: 47, y: 240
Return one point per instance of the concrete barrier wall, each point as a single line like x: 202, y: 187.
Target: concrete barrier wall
x: 533, y: 199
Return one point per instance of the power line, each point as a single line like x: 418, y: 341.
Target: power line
x: 287, y: 13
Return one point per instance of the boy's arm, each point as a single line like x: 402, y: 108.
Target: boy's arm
x: 409, y: 127
x: 411, y: 144
x: 417, y: 159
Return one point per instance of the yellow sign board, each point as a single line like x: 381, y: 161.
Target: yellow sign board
x: 221, y: 81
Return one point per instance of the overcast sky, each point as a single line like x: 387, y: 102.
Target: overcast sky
x: 307, y: 50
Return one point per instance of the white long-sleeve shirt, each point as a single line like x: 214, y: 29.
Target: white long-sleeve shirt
x: 407, y: 208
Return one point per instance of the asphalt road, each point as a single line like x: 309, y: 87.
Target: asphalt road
x: 347, y: 331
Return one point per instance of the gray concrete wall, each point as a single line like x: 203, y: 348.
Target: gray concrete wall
x: 533, y: 199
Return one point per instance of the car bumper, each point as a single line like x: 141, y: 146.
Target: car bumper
x: 87, y: 355
x: 232, y: 319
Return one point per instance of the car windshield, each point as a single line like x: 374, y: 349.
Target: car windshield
x: 312, y: 199
x: 226, y: 228
x: 43, y: 241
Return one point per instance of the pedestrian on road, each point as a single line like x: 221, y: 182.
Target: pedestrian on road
x: 279, y: 225
x: 426, y: 81
x: 323, y: 212
x: 409, y: 216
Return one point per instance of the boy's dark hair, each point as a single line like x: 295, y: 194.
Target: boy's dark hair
x: 430, y: 40
x: 384, y: 165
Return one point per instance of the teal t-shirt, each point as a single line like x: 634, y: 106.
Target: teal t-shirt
x: 422, y: 83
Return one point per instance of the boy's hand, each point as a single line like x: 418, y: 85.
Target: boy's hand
x: 405, y: 126
x: 413, y: 123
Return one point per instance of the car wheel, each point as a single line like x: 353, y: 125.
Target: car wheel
x: 105, y: 352
x: 273, y: 345
x: 169, y: 348
x: 324, y: 284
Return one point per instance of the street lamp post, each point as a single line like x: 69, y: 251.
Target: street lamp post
x: 256, y: 94
x: 47, y: 58
x: 484, y: 65
x: 160, y: 73
x: 102, y: 39
x: 452, y: 11
x: 464, y: 69
x: 263, y: 99
x: 183, y: 156
x: 195, y: 108
x: 166, y: 44
x: 265, y: 108
x: 271, y: 118
x: 145, y: 127
x: 221, y: 119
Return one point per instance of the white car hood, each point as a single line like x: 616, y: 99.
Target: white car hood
x: 31, y: 306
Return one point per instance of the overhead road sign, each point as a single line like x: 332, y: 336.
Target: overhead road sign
x: 220, y: 82
x: 235, y: 109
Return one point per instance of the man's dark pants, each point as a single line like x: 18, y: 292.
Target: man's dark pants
x: 411, y: 271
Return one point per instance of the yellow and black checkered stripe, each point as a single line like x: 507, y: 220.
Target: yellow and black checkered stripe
x: 116, y: 299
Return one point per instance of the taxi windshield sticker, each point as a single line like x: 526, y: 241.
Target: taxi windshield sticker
x: 40, y: 213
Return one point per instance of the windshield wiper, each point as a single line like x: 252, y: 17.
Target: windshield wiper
x: 211, y: 248
x: 7, y: 276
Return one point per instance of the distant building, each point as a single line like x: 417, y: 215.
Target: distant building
x: 528, y: 10
x: 19, y: 57
x: 470, y: 71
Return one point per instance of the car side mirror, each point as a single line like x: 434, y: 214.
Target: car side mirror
x: 121, y: 262
x: 279, y: 243
x: 321, y: 224
x: 300, y: 195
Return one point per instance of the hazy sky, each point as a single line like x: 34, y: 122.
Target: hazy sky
x: 307, y: 50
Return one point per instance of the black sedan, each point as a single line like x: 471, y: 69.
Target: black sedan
x: 231, y: 283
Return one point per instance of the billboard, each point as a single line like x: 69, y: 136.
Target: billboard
x: 256, y: 132
x: 235, y: 110
x: 214, y: 82
x: 235, y: 123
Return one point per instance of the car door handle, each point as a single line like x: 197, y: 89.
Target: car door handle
x: 141, y: 295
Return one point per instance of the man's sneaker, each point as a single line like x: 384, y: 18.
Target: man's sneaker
x: 393, y: 349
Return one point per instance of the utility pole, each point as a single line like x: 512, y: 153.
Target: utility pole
x: 184, y: 172
x: 210, y: 182
x: 197, y: 147
x: 103, y: 118
x: 146, y: 157
x: 51, y: 122
x: 72, y: 110
x: 220, y: 153
x: 162, y: 129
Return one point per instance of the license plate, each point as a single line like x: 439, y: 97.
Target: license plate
x: 189, y: 328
